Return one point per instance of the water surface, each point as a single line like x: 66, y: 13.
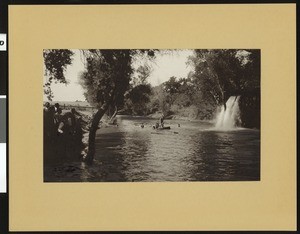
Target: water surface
x: 192, y: 152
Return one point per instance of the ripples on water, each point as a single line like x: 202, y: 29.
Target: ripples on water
x: 191, y: 152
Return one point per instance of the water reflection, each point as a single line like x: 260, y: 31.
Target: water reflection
x: 189, y: 153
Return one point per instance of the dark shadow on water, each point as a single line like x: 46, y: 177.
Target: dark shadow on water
x: 109, y: 165
x: 227, y: 156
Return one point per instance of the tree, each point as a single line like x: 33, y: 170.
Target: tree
x: 172, y: 85
x: 137, y: 99
x: 56, y: 62
x: 219, y: 74
x: 223, y: 73
x: 141, y: 75
x: 106, y: 80
x: 138, y: 96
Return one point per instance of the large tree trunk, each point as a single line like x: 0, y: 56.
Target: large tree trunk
x: 92, y: 134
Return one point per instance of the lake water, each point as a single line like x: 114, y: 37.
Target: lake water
x: 191, y: 152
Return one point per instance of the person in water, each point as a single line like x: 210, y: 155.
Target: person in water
x: 161, y: 120
x: 157, y: 125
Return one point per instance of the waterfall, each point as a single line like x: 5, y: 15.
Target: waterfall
x: 229, y: 119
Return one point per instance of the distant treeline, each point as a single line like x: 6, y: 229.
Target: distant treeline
x: 79, y: 105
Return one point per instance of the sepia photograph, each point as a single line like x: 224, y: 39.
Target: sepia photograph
x: 151, y: 115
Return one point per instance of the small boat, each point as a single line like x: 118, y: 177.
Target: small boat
x: 164, y: 128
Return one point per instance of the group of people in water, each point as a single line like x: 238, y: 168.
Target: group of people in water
x: 62, y: 132
x: 158, y: 124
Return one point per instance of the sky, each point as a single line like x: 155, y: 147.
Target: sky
x: 163, y: 67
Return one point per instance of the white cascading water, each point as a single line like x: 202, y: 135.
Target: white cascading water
x: 229, y: 119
